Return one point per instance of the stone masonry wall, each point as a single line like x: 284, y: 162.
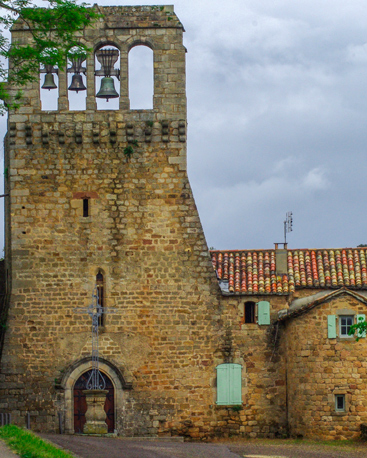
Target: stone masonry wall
x: 143, y: 232
x: 319, y: 368
x: 257, y: 349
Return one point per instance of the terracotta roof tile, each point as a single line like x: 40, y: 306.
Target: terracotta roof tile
x: 254, y: 271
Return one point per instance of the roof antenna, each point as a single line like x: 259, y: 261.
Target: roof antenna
x: 288, y: 226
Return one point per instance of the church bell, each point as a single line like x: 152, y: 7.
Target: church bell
x: 49, y: 82
x: 107, y: 90
x: 77, y: 83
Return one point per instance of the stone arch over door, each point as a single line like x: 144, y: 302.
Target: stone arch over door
x: 80, y: 404
x: 72, y: 376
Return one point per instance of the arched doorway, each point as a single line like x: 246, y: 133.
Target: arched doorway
x: 80, y: 405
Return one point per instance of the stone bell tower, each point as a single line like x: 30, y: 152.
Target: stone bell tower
x: 102, y: 197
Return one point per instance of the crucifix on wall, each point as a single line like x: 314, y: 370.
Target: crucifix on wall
x: 95, y: 310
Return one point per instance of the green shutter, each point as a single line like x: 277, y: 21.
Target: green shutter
x: 263, y: 312
x: 331, y: 326
x: 223, y: 384
x: 359, y: 319
x: 229, y: 389
x: 235, y: 396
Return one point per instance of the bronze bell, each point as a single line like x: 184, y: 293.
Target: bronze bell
x: 77, y: 83
x: 49, y: 82
x: 107, y: 90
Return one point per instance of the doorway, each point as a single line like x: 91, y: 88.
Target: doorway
x: 80, y: 404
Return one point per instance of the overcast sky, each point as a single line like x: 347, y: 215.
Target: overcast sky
x: 277, y: 112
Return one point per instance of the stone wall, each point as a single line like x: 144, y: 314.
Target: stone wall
x: 143, y: 232
x: 257, y: 349
x: 319, y: 368
x: 3, y: 303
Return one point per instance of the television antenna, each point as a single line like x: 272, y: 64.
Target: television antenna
x: 288, y: 225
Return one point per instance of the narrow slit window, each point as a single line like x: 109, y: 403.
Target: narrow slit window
x: 340, y: 402
x: 101, y: 301
x: 85, y: 207
x: 250, y: 312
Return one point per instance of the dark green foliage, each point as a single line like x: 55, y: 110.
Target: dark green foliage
x: 52, y: 30
x: 360, y: 328
x: 129, y: 151
x: 236, y: 408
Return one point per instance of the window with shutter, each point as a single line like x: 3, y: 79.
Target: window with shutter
x: 229, y: 388
x: 263, y: 312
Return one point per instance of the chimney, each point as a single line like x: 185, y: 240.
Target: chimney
x: 281, y: 255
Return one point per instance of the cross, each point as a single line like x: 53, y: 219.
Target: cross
x: 96, y: 380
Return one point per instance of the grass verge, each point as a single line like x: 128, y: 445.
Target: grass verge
x: 28, y: 445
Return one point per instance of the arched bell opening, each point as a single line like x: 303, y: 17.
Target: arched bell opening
x: 141, y: 77
x: 107, y: 73
x: 49, y: 80
x: 76, y: 78
x: 80, y: 404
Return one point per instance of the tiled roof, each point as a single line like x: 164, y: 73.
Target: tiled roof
x: 254, y: 271
x: 304, y: 304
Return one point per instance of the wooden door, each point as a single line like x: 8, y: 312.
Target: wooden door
x: 80, y: 404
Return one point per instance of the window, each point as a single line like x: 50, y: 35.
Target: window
x: 340, y: 403
x: 345, y: 322
x: 100, y: 292
x: 85, y: 207
x: 250, y: 312
x: 346, y: 319
x: 229, y: 391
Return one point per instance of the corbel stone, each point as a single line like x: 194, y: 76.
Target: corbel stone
x: 130, y: 132
x: 78, y: 135
x: 61, y: 137
x: 182, y: 130
x: 95, y: 132
x: 113, y: 133
x: 148, y: 132
x: 165, y: 131
x: 45, y: 137
x: 12, y: 133
x: 28, y: 134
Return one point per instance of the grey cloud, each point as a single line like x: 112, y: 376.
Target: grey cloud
x: 277, y: 113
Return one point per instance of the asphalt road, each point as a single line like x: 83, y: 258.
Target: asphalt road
x: 5, y: 451
x: 100, y: 447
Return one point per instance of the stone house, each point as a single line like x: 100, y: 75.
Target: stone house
x: 304, y: 366
x: 98, y: 198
